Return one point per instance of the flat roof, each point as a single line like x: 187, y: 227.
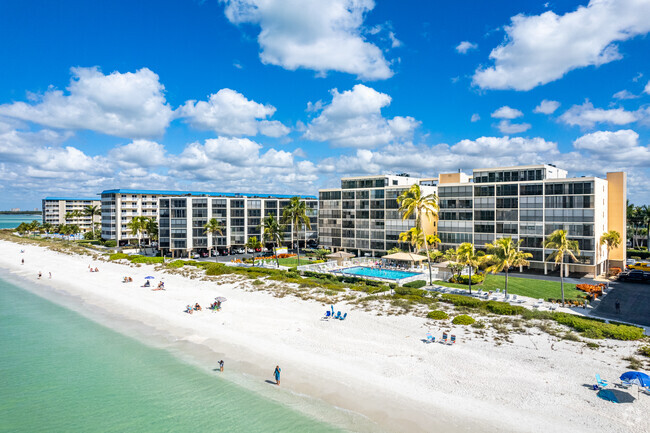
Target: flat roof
x: 518, y: 167
x: 202, y: 193
x: 72, y: 198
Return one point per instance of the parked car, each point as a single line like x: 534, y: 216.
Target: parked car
x: 196, y: 256
x: 224, y: 253
x: 634, y: 275
x: 641, y: 266
x: 240, y: 251
x: 258, y: 250
x: 629, y: 262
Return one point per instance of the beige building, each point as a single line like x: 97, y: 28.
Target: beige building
x: 57, y: 210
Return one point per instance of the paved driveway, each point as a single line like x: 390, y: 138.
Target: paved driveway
x: 634, y: 299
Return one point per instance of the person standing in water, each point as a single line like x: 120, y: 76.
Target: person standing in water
x: 221, y: 365
x: 39, y: 275
x: 22, y: 261
x: 276, y: 373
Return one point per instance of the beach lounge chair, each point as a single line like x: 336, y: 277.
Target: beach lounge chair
x: 514, y: 298
x: 453, y: 339
x: 327, y: 315
x: 338, y: 315
x: 344, y: 316
x: 430, y: 338
x: 498, y: 292
x: 601, y: 383
x: 624, y: 384
x: 444, y: 337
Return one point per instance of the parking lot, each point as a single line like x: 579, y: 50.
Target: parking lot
x: 634, y: 299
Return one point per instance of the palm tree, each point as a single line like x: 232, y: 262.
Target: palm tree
x: 91, y: 210
x: 412, y: 202
x: 468, y: 256
x: 137, y: 226
x: 273, y: 232
x: 213, y: 226
x: 411, y: 237
x: 47, y: 227
x: 558, y: 241
x: 504, y: 253
x: 151, y: 227
x: 34, y: 226
x: 71, y: 215
x: 611, y: 239
x: 296, y: 215
x: 254, y: 244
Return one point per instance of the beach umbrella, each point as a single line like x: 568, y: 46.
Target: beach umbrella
x: 636, y: 378
x: 220, y: 299
x: 149, y: 278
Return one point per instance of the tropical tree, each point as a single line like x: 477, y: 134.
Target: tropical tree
x: 91, y: 210
x: 412, y: 237
x: 137, y: 226
x: 213, y: 226
x: 253, y: 243
x: 451, y: 256
x: 562, y: 246
x: 412, y: 202
x: 151, y: 227
x: 34, y: 226
x: 611, y: 239
x: 22, y: 228
x: 504, y: 254
x: 273, y: 231
x: 296, y: 215
x: 47, y: 227
x: 468, y: 256
x: 69, y: 216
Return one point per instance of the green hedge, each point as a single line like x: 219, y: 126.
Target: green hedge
x: 503, y: 308
x: 437, y: 315
x: 463, y: 319
x: 118, y: 256
x: 415, y: 284
x: 639, y: 253
x: 462, y: 301
x: 464, y: 279
x: 596, y: 327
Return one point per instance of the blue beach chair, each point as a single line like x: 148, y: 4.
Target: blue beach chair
x: 601, y: 383
x: 444, y: 337
x: 338, y: 315
x: 453, y: 339
x: 430, y: 338
x: 327, y: 315
x: 343, y: 316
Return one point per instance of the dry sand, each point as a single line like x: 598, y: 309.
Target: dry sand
x: 375, y: 366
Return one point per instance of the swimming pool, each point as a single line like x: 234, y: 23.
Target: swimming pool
x: 386, y: 274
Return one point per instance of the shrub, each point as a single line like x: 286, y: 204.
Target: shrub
x: 437, y: 315
x: 638, y: 254
x: 110, y: 243
x: 175, y: 264
x: 593, y: 333
x: 143, y: 259
x: 464, y: 279
x: 645, y: 351
x: 582, y: 324
x: 463, y: 319
x: 615, y: 271
x: 415, y: 284
x: 118, y: 256
x: 479, y: 325
x: 503, y: 308
x: 461, y: 301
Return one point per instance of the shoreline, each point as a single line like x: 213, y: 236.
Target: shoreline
x: 373, y: 366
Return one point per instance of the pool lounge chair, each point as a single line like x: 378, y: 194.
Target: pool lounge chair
x: 601, y: 383
x: 444, y: 338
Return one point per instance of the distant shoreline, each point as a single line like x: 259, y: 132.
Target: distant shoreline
x: 25, y: 212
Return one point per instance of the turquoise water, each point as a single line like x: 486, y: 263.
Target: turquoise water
x: 387, y: 274
x: 60, y: 372
x: 14, y: 220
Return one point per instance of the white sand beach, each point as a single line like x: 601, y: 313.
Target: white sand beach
x: 374, y: 365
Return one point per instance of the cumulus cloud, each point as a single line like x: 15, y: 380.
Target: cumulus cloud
x: 625, y: 94
x: 228, y: 112
x: 321, y: 35
x: 130, y: 104
x: 547, y: 107
x: 647, y: 88
x: 587, y: 116
x: 466, y: 46
x: 615, y: 147
x: 139, y: 153
x: 542, y: 48
x: 506, y: 127
x: 506, y: 112
x: 475, y: 117
x: 354, y: 119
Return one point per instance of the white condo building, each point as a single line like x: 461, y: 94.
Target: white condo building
x: 55, y: 210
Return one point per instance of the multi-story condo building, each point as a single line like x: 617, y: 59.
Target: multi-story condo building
x: 181, y: 220
x: 530, y: 202
x: 362, y: 216
x: 58, y: 210
x: 119, y: 206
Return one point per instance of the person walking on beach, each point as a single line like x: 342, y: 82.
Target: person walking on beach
x: 22, y: 261
x: 221, y: 365
x: 39, y: 275
x: 617, y: 305
x: 276, y: 373
x: 50, y: 275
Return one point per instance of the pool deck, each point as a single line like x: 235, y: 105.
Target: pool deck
x: 335, y: 268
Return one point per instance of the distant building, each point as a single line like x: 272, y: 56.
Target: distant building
x: 56, y: 211
x: 16, y: 209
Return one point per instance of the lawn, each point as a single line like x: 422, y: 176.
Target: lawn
x: 524, y: 287
x: 293, y: 261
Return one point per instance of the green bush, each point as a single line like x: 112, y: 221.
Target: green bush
x: 110, y: 243
x: 503, y: 308
x: 593, y: 333
x: 143, y: 259
x: 462, y: 301
x: 437, y: 315
x: 464, y: 279
x: 463, y: 319
x: 175, y: 264
x: 582, y: 324
x: 415, y: 284
x: 118, y: 256
x: 645, y: 351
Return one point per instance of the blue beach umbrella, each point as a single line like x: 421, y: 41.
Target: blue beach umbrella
x: 636, y: 378
x: 149, y: 278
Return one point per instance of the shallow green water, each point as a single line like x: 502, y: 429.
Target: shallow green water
x: 14, y: 220
x: 60, y: 372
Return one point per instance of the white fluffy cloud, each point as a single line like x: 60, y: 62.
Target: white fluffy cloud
x: 506, y: 112
x: 542, y: 48
x: 139, y: 153
x: 125, y: 105
x: 507, y: 127
x: 615, y: 147
x: 229, y: 112
x: 625, y: 94
x: 466, y: 46
x: 547, y: 107
x: 647, y: 88
x: 586, y: 115
x: 475, y: 117
x: 354, y: 119
x: 321, y: 35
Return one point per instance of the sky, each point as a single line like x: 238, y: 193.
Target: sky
x: 288, y: 96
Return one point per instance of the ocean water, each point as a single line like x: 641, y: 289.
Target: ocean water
x: 14, y: 220
x: 61, y: 372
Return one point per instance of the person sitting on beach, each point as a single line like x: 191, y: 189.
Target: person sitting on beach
x: 188, y: 309
x: 218, y: 305
x: 146, y: 284
x: 92, y: 270
x: 125, y: 280
x: 96, y: 269
x: 130, y: 279
x: 197, y: 307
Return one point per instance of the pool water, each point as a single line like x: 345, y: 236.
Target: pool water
x: 387, y: 274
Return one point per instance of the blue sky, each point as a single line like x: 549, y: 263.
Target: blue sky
x: 287, y: 96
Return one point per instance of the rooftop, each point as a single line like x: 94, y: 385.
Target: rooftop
x: 203, y: 193
x: 72, y: 198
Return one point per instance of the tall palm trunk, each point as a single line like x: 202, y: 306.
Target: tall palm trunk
x: 506, y: 294
x: 275, y: 253
x: 426, y: 247
x: 562, y: 278
x: 470, y: 279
